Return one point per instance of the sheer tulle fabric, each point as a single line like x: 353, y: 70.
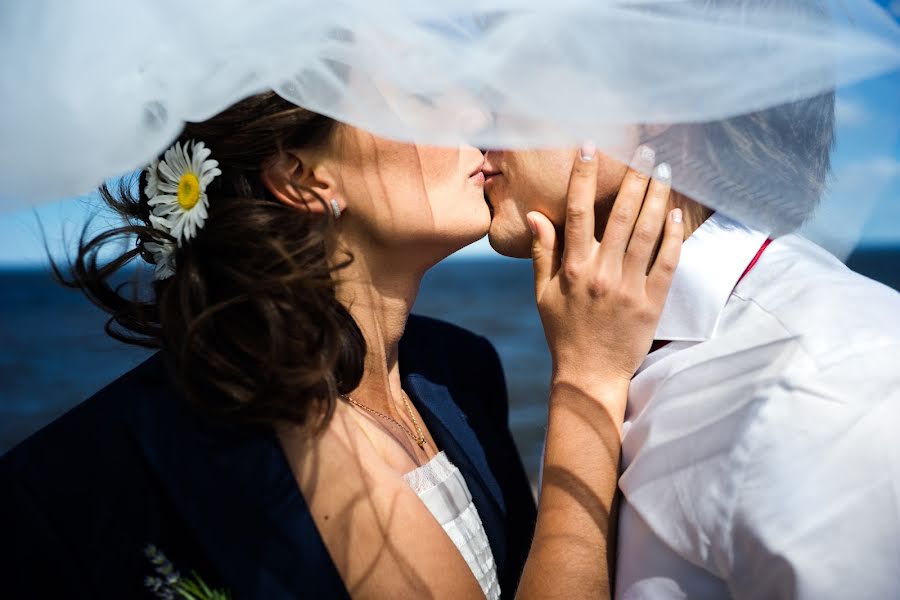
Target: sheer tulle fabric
x: 92, y: 89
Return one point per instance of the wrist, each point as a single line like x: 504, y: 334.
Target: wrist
x: 594, y: 381
x: 609, y: 391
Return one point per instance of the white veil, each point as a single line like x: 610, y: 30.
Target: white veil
x: 90, y: 89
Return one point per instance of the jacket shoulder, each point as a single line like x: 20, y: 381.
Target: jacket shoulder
x: 434, y: 338
x: 463, y: 361
x: 419, y: 325
x: 81, y: 486
x: 102, y: 416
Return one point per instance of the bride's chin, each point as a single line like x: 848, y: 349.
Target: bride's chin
x: 462, y: 239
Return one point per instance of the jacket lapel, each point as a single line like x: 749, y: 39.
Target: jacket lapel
x: 451, y: 432
x: 237, y: 494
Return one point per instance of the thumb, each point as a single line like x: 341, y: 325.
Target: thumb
x: 544, y: 251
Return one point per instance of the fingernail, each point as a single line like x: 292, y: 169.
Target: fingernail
x: 588, y: 150
x: 677, y: 216
x: 643, y: 160
x: 531, y: 224
x: 663, y: 173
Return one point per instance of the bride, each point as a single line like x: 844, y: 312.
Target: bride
x: 299, y: 433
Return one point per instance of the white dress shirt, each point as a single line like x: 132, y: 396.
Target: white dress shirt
x: 761, y: 450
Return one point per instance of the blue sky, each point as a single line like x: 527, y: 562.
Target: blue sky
x: 864, y: 208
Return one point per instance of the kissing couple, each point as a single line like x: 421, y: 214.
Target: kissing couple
x: 721, y: 409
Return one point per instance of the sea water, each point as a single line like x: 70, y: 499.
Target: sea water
x: 54, y: 353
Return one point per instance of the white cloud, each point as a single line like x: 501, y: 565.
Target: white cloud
x: 880, y: 168
x: 861, y: 206
x: 850, y: 112
x: 885, y: 166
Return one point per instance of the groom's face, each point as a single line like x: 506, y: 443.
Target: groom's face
x: 522, y: 181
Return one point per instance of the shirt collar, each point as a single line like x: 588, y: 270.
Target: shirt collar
x: 712, y: 261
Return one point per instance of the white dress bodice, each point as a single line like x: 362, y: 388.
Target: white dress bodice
x: 443, y: 490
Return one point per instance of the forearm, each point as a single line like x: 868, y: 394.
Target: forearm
x: 570, y: 551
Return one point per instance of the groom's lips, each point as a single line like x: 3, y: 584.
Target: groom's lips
x: 490, y: 175
x: 491, y: 172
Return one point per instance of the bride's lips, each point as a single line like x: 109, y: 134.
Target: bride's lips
x: 476, y: 175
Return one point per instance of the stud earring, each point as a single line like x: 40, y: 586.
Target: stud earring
x: 335, y: 209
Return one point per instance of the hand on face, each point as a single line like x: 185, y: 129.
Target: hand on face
x: 598, y: 303
x: 535, y: 179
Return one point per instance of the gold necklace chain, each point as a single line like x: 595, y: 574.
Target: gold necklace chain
x: 420, y: 440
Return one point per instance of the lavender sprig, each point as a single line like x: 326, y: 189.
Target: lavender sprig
x: 168, y: 584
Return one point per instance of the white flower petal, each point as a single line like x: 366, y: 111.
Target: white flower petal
x: 168, y: 173
x: 209, y: 165
x: 208, y: 177
x: 194, y: 221
x: 164, y: 258
x: 186, y: 153
x: 164, y: 269
x: 159, y: 223
x: 151, y: 188
x: 170, y: 158
x: 163, y: 199
x: 167, y: 213
x: 201, y: 153
x: 178, y: 229
x: 202, y: 214
x: 182, y: 160
x: 190, y: 150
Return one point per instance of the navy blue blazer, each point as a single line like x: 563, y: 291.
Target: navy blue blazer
x: 134, y: 465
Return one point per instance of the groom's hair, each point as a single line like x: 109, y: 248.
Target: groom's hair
x: 782, y: 155
x: 779, y: 157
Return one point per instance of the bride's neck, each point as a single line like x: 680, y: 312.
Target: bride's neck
x: 380, y: 300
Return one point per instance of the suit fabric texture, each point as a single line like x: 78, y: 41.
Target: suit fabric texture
x: 135, y: 465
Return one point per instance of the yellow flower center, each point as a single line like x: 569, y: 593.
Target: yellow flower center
x: 188, y: 191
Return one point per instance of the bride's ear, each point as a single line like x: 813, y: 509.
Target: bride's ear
x: 297, y: 181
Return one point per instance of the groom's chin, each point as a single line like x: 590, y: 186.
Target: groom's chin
x: 508, y: 243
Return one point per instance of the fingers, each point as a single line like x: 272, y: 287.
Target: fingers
x: 663, y: 269
x: 544, y: 251
x: 649, y: 226
x: 627, y: 206
x: 582, y: 193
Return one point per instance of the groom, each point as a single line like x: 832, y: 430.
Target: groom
x: 760, y: 451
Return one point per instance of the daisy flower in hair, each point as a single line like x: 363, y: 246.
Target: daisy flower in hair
x: 163, y: 257
x: 176, y: 187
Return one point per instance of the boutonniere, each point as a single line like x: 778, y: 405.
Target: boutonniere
x: 168, y: 584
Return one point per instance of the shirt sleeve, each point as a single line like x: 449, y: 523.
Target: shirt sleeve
x: 817, y: 511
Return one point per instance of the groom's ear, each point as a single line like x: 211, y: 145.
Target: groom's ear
x: 296, y: 180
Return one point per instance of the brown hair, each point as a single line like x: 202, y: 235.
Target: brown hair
x: 249, y: 319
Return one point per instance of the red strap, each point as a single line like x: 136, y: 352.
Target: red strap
x: 754, y: 261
